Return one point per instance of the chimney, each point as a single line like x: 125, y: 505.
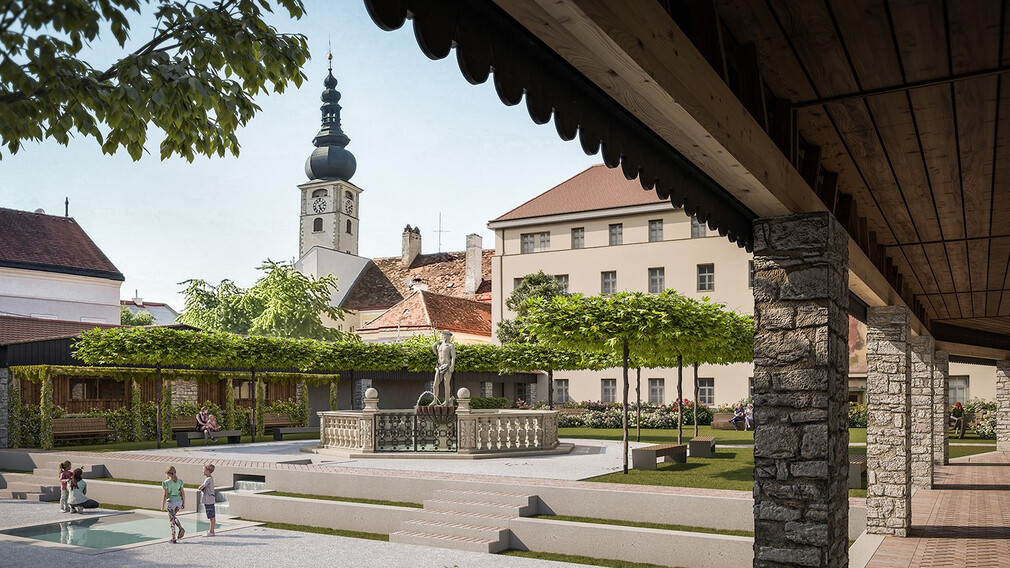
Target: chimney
x: 418, y: 285
x: 474, y: 260
x: 411, y: 245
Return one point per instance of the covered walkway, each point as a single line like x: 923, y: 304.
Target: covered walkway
x: 963, y: 521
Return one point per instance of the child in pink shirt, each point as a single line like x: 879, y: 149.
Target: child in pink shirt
x: 66, y: 474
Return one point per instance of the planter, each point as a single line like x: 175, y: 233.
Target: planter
x: 435, y: 410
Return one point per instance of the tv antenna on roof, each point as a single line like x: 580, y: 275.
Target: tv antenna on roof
x: 439, y: 231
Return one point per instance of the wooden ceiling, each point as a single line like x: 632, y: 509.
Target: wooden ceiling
x: 925, y: 159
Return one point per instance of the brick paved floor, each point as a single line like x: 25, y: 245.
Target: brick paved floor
x: 963, y: 521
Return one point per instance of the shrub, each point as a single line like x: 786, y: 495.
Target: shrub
x: 980, y: 406
x: 857, y: 415
x: 486, y: 402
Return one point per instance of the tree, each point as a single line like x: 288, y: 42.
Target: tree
x: 283, y: 303
x: 194, y: 79
x: 127, y: 317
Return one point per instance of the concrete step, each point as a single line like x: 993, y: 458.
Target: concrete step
x: 450, y: 528
x: 28, y: 495
x: 517, y: 499
x: 467, y: 506
x: 450, y: 542
x: 90, y: 471
x: 477, y: 519
x: 33, y: 487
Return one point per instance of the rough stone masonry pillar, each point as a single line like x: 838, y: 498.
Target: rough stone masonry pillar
x: 801, y: 507
x: 923, y: 422
x: 1003, y: 406
x: 941, y: 413
x: 888, y: 456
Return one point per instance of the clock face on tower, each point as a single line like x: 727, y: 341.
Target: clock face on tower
x: 349, y: 206
x: 319, y: 205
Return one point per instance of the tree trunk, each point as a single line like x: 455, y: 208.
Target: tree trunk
x: 638, y: 405
x: 255, y: 400
x: 550, y: 389
x: 696, y: 404
x: 157, y: 417
x: 680, y: 399
x: 624, y: 407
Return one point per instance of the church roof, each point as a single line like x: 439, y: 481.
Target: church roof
x: 36, y: 241
x: 386, y: 281
x: 598, y: 187
x: 427, y: 310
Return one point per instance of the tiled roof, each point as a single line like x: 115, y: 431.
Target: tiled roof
x: 37, y: 241
x: 435, y: 311
x: 386, y: 281
x: 14, y: 329
x: 598, y: 187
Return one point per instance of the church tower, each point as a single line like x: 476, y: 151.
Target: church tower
x: 329, y: 206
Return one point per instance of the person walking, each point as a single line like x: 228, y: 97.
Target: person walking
x: 66, y: 474
x: 173, y: 501
x: 208, y: 496
x: 78, y: 499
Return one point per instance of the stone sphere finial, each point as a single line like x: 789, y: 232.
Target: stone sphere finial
x: 371, y: 393
x: 463, y: 393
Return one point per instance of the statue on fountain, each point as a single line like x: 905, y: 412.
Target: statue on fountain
x: 445, y: 351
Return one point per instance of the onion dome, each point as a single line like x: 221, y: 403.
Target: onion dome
x: 330, y: 160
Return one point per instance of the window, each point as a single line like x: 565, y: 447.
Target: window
x: 561, y: 390
x: 562, y: 280
x: 616, y: 234
x: 706, y: 277
x: 698, y: 230
x: 655, y: 231
x: 319, y: 193
x: 243, y: 390
x: 608, y: 390
x: 706, y: 391
x: 750, y: 274
x: 578, y: 238
x: 534, y: 242
x: 317, y: 225
x: 348, y: 226
x: 516, y: 282
x: 657, y: 280
x: 348, y: 195
x: 97, y: 389
x: 958, y: 390
x: 656, y: 391
x: 608, y: 282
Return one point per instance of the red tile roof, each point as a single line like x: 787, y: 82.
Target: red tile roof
x: 435, y: 311
x: 14, y: 329
x: 36, y: 241
x: 598, y: 187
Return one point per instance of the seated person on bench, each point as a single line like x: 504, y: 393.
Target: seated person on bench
x: 206, y: 423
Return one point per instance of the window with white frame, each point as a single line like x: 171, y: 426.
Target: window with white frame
x: 706, y: 277
x: 657, y: 280
x: 750, y: 274
x: 698, y: 229
x: 608, y: 390
x: 562, y: 280
x: 655, y: 230
x: 958, y: 390
x: 578, y: 238
x: 616, y: 234
x: 608, y: 282
x: 561, y: 390
x: 656, y: 391
x: 706, y: 391
x: 534, y: 242
x: 516, y: 282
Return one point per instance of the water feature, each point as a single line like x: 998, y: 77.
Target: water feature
x: 241, y: 486
x: 109, y: 531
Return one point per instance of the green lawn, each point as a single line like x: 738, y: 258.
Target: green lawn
x: 659, y: 436
x: 660, y: 526
x: 346, y: 499
x: 150, y: 444
x: 573, y: 559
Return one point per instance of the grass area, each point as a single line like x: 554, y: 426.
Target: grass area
x: 660, y: 526
x: 347, y: 499
x: 143, y: 482
x: 970, y: 437
x: 321, y: 530
x: 654, y: 436
x: 151, y: 444
x: 579, y: 559
x: 961, y: 451
x: 2, y: 470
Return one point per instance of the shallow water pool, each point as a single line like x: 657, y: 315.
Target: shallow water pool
x: 110, y: 531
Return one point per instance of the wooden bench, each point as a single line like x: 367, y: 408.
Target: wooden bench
x: 279, y: 432
x: 80, y: 428
x: 184, y: 429
x: 857, y: 467
x: 702, y: 446
x: 645, y: 458
x: 273, y: 420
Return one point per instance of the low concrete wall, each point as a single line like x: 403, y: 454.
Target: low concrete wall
x: 133, y: 494
x: 317, y: 513
x: 666, y: 548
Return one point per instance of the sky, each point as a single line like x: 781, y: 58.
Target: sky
x: 427, y: 143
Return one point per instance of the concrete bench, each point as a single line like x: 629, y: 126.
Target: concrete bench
x: 702, y: 446
x: 857, y: 467
x: 80, y: 428
x: 182, y: 438
x: 721, y: 421
x: 645, y: 458
x: 279, y: 432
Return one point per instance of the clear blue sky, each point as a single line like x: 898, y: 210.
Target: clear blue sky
x: 426, y: 142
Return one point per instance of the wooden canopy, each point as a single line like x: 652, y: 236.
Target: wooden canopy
x: 888, y: 113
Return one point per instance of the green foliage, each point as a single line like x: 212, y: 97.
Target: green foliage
x: 261, y: 394
x: 229, y: 407
x: 985, y: 427
x: 194, y: 79
x: 293, y: 409
x: 47, y: 410
x: 857, y: 415
x: 334, y: 401
x: 489, y: 402
x: 538, y: 285
x: 16, y: 419
x: 127, y: 317
x: 598, y: 415
x: 980, y: 406
x: 166, y: 411
x: 136, y: 402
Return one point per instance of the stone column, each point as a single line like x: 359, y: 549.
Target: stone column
x: 184, y: 391
x: 1003, y: 406
x: 358, y: 398
x: 888, y: 437
x: 922, y: 412
x: 941, y: 413
x: 801, y: 509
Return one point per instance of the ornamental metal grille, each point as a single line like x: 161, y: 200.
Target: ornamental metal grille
x: 415, y: 433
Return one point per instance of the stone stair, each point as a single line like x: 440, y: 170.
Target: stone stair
x: 462, y: 519
x: 42, y: 484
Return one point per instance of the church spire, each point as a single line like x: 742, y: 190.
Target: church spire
x: 330, y: 160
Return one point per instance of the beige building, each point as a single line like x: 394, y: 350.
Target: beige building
x: 600, y: 233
